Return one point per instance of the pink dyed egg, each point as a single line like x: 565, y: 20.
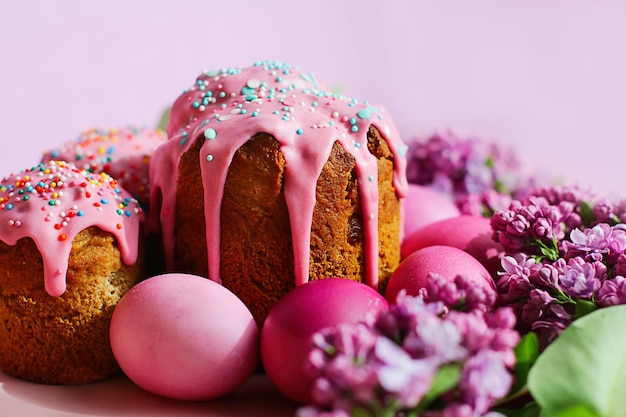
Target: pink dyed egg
x: 471, y: 234
x: 412, y: 273
x: 422, y: 206
x: 307, y: 309
x: 184, y: 337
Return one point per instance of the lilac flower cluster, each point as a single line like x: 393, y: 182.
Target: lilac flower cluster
x: 480, y: 176
x: 459, y: 294
x: 565, y: 257
x: 417, y: 357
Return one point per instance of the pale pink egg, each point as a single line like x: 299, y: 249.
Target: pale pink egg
x: 471, y: 234
x: 447, y: 261
x: 184, y: 337
x: 422, y: 206
x: 307, y: 309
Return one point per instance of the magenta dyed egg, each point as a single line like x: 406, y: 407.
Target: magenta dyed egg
x: 184, y: 337
x: 307, y: 309
x: 422, y: 206
x: 447, y: 261
x: 471, y: 234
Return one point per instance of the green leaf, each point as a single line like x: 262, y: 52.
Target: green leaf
x: 578, y: 410
x: 529, y: 410
x: 584, y: 307
x: 447, y: 378
x: 584, y: 366
x: 164, y: 119
x: 586, y: 213
x: 526, y: 353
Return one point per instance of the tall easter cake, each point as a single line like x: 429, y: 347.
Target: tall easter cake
x: 69, y: 250
x: 269, y: 179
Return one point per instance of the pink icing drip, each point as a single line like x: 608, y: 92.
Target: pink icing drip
x: 79, y: 196
x: 305, y: 122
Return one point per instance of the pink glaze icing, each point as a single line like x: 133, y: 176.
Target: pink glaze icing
x: 123, y: 153
x: 52, y: 202
x: 226, y: 108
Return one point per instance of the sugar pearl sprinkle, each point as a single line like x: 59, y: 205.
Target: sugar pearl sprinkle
x: 281, y: 91
x: 56, y: 194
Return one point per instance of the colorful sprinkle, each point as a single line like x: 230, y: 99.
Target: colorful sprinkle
x: 210, y: 133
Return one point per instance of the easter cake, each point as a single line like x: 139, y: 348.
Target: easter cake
x: 123, y: 153
x: 269, y: 180
x: 69, y: 250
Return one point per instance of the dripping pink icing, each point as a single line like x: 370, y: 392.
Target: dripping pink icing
x: 123, y: 153
x: 226, y: 108
x: 53, y: 202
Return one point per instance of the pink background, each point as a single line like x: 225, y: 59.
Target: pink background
x: 546, y: 77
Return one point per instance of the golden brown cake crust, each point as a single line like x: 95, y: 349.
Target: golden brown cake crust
x: 256, y: 255
x: 62, y: 340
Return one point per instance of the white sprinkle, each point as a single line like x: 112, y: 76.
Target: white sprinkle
x: 253, y: 83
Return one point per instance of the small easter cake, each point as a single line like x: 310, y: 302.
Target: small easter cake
x: 122, y: 153
x: 69, y: 250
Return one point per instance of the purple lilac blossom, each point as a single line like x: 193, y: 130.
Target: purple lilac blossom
x: 459, y: 294
x: 387, y: 366
x: 480, y: 176
x: 558, y: 255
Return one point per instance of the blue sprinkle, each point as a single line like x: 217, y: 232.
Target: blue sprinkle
x: 80, y: 213
x: 255, y: 113
x: 357, y: 145
x: 246, y: 91
x: 222, y: 94
x: 104, y: 201
x: 251, y: 97
x: 353, y: 121
x: 9, y: 206
x: 195, y: 104
x: 242, y: 111
x: 299, y: 131
x: 354, y: 128
x: 370, y: 178
x: 363, y: 114
x: 127, y: 213
x: 279, y: 79
x: 210, y: 133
